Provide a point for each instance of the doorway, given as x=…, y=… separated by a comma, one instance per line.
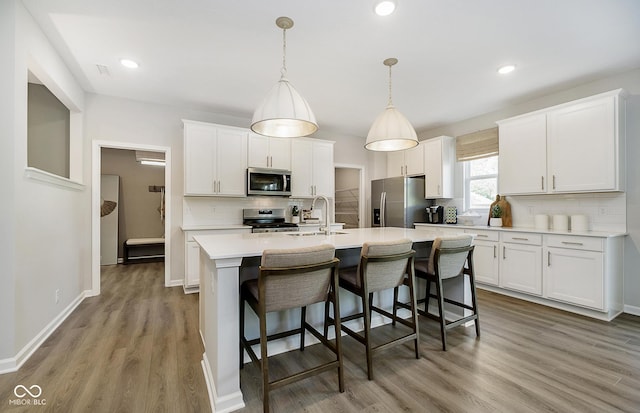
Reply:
x=349, y=197
x=96, y=172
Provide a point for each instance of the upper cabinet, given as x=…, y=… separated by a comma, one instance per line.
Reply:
x=406, y=163
x=574, y=147
x=267, y=152
x=312, y=170
x=522, y=162
x=215, y=159
x=439, y=161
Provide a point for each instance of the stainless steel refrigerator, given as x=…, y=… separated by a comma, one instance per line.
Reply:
x=398, y=202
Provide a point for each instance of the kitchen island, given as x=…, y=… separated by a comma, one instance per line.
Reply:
x=221, y=258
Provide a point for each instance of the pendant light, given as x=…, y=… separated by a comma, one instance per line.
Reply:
x=391, y=131
x=284, y=113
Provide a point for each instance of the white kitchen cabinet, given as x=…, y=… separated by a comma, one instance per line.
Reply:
x=409, y=162
x=192, y=255
x=215, y=159
x=312, y=169
x=583, y=146
x=522, y=161
x=574, y=147
x=521, y=262
x=268, y=152
x=439, y=161
x=574, y=270
x=486, y=260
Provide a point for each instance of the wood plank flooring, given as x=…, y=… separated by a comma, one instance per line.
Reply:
x=136, y=348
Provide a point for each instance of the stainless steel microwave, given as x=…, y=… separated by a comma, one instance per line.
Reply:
x=264, y=181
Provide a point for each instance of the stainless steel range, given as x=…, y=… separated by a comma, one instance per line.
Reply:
x=268, y=220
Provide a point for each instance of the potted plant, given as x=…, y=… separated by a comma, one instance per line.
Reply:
x=295, y=212
x=496, y=216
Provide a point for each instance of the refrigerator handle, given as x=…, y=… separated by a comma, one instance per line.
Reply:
x=383, y=202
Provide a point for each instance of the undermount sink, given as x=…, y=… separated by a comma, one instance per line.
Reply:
x=309, y=233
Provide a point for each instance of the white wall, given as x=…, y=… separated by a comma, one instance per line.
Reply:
x=7, y=168
x=39, y=214
x=630, y=81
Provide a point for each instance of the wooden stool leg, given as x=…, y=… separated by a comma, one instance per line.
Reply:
x=440, y=298
x=303, y=318
x=366, y=307
x=395, y=306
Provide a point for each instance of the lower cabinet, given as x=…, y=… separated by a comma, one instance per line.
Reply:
x=486, y=260
x=574, y=271
x=192, y=255
x=521, y=263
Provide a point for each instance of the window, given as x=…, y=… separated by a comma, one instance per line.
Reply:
x=480, y=182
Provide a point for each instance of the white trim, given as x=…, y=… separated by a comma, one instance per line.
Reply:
x=631, y=309
x=49, y=178
x=12, y=364
x=96, y=152
x=225, y=404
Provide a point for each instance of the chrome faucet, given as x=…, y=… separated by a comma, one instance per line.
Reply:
x=327, y=224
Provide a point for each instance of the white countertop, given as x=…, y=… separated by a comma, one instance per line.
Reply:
x=251, y=245
x=214, y=227
x=600, y=234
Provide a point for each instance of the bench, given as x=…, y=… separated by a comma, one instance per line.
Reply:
x=143, y=250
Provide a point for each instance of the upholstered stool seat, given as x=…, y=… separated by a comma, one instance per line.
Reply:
x=450, y=257
x=383, y=266
x=292, y=278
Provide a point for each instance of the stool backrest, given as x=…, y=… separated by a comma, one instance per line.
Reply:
x=291, y=278
x=452, y=253
x=384, y=264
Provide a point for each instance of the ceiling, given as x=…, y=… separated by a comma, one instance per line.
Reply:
x=224, y=56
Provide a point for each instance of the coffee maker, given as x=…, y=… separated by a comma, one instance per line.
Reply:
x=435, y=214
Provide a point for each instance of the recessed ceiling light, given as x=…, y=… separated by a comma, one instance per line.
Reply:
x=129, y=63
x=384, y=7
x=503, y=70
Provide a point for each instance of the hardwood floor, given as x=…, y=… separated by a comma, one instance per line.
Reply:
x=136, y=348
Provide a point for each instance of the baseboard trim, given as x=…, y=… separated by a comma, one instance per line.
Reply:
x=174, y=283
x=12, y=364
x=219, y=404
x=632, y=309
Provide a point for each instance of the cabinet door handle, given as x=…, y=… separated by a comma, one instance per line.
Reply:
x=504, y=252
x=548, y=258
x=481, y=235
x=494, y=251
x=542, y=182
x=572, y=243
x=520, y=239
x=554, y=182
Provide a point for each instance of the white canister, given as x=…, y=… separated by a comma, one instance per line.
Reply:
x=542, y=221
x=560, y=223
x=579, y=223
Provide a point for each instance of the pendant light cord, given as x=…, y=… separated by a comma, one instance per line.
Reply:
x=390, y=103
x=283, y=71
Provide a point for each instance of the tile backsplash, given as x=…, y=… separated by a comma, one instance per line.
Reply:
x=198, y=211
x=604, y=211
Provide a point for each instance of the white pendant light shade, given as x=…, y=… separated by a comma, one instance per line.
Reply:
x=391, y=131
x=284, y=113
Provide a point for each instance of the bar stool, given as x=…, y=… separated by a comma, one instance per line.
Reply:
x=383, y=266
x=292, y=278
x=450, y=257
